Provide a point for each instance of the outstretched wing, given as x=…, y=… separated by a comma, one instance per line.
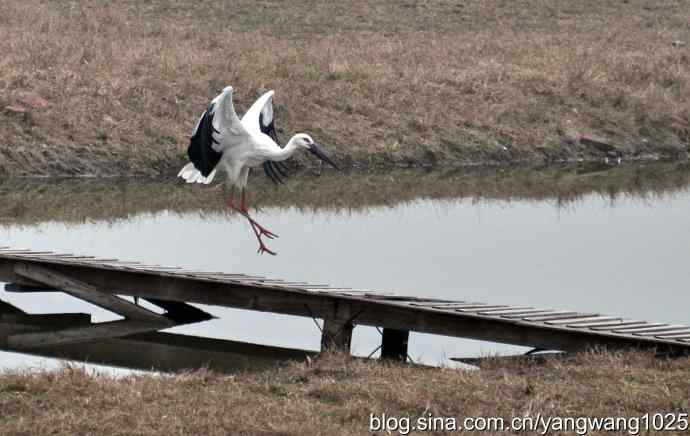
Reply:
x=204, y=148
x=259, y=118
x=217, y=130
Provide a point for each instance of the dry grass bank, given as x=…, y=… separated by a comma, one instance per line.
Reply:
x=377, y=81
x=335, y=395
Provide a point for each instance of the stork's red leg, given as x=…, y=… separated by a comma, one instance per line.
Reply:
x=262, y=230
x=231, y=199
x=258, y=229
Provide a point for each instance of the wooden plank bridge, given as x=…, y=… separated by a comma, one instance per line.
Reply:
x=135, y=340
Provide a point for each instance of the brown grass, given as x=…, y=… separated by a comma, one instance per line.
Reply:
x=377, y=81
x=28, y=201
x=334, y=395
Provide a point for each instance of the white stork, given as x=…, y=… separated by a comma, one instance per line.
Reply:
x=221, y=140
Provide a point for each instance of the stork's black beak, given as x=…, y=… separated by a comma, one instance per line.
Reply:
x=316, y=149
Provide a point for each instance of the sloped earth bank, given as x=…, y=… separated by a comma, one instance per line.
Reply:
x=380, y=83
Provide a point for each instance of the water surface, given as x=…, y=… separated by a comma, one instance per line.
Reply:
x=618, y=245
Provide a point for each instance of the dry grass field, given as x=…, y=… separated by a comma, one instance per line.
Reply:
x=383, y=81
x=335, y=395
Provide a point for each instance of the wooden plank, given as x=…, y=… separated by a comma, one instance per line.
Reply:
x=458, y=307
x=672, y=335
x=375, y=312
x=18, y=288
x=482, y=308
x=171, y=352
x=555, y=316
x=513, y=310
x=656, y=331
x=394, y=344
x=7, y=308
x=397, y=298
x=584, y=323
x=529, y=312
x=503, y=311
x=632, y=328
x=437, y=305
x=24, y=253
x=569, y=321
x=602, y=323
x=612, y=327
x=67, y=255
x=89, y=293
x=50, y=319
x=111, y=329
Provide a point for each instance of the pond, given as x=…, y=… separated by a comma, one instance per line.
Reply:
x=613, y=240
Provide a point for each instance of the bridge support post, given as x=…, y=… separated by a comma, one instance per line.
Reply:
x=336, y=335
x=394, y=344
x=337, y=330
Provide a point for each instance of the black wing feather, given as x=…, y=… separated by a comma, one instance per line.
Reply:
x=271, y=173
x=282, y=169
x=200, y=150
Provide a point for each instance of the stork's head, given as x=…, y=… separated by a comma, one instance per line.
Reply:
x=304, y=140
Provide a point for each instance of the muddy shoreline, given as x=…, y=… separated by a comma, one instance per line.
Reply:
x=161, y=162
x=79, y=199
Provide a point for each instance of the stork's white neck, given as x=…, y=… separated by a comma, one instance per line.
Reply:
x=287, y=151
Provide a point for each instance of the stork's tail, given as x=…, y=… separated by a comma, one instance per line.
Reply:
x=191, y=175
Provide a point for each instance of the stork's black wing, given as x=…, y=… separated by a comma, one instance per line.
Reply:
x=268, y=126
x=200, y=150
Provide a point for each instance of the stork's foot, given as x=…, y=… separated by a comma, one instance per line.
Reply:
x=263, y=231
x=263, y=249
x=259, y=230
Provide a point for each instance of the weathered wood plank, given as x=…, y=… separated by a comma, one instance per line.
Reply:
x=632, y=328
x=18, y=288
x=89, y=293
x=171, y=352
x=49, y=319
x=583, y=322
x=519, y=315
x=7, y=308
x=508, y=310
x=604, y=322
x=371, y=311
x=670, y=329
x=503, y=311
x=555, y=315
x=672, y=335
x=482, y=308
x=111, y=329
x=614, y=326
